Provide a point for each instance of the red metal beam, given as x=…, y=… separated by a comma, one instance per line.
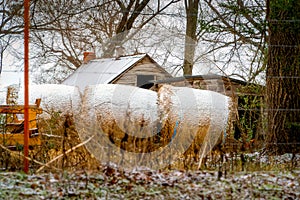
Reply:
x=26, y=84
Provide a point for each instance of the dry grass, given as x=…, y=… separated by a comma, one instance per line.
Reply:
x=60, y=145
x=63, y=150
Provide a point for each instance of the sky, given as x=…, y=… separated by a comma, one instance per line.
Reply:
x=12, y=68
x=11, y=77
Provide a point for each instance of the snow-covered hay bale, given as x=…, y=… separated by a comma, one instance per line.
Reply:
x=197, y=119
x=122, y=113
x=62, y=99
x=126, y=120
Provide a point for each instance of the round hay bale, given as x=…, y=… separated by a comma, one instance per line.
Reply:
x=197, y=117
x=62, y=99
x=123, y=113
x=134, y=125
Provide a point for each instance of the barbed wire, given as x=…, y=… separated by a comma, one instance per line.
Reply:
x=283, y=77
x=267, y=109
x=284, y=20
x=289, y=46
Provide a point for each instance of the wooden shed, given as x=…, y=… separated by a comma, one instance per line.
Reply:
x=213, y=82
x=136, y=70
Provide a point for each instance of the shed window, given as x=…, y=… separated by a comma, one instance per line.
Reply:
x=144, y=79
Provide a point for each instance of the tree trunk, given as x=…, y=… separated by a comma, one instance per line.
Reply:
x=283, y=76
x=191, y=7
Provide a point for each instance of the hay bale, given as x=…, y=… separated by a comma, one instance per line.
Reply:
x=163, y=124
x=197, y=118
x=123, y=113
x=62, y=99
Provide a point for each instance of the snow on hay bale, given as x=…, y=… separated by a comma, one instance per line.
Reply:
x=198, y=117
x=142, y=121
x=122, y=113
x=54, y=98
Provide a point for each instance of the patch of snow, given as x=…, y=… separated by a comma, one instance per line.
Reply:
x=134, y=110
x=54, y=98
x=280, y=159
x=196, y=107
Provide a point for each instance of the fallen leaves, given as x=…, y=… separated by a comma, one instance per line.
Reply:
x=141, y=183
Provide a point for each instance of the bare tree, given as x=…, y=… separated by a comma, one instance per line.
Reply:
x=228, y=36
x=10, y=14
x=97, y=26
x=237, y=30
x=11, y=25
x=59, y=37
x=62, y=30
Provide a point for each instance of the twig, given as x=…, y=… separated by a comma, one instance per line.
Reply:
x=20, y=154
x=68, y=151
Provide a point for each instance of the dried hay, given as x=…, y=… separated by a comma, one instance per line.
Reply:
x=180, y=120
x=61, y=146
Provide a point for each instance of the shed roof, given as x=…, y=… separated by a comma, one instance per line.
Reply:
x=101, y=71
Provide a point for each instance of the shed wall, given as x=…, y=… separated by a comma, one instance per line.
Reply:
x=143, y=67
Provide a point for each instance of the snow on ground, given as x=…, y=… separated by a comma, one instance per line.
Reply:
x=109, y=182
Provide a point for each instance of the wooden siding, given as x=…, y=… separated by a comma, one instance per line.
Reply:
x=221, y=85
x=144, y=67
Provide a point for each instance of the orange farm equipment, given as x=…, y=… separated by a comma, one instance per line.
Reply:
x=12, y=124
